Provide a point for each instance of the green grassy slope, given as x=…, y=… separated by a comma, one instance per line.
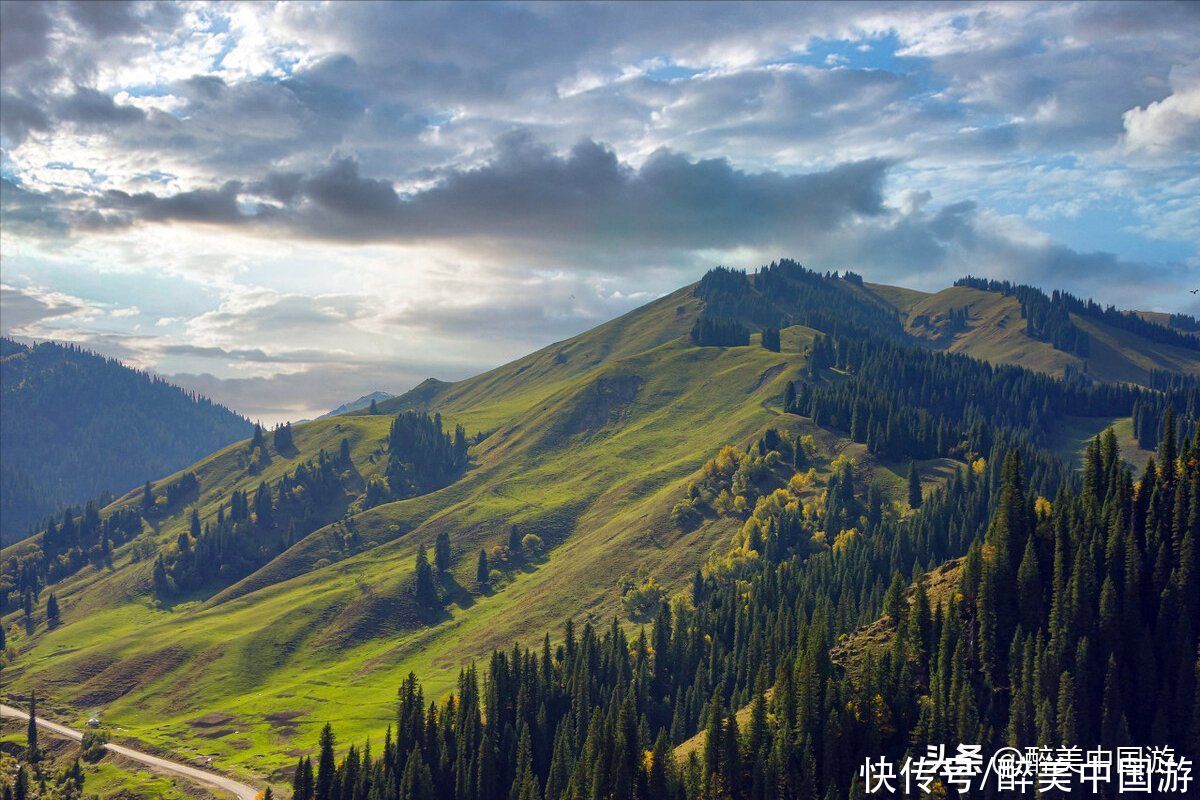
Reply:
x=995, y=332
x=591, y=444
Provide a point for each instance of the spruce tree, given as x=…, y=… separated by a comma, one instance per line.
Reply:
x=1029, y=588
x=914, y=486
x=426, y=587
x=326, y=767
x=52, y=614
x=441, y=552
x=33, y=753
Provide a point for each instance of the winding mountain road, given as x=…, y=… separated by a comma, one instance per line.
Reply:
x=239, y=790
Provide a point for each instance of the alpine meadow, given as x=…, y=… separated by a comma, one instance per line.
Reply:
x=864, y=460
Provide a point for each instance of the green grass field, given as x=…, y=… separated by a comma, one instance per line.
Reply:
x=327, y=633
x=110, y=778
x=589, y=444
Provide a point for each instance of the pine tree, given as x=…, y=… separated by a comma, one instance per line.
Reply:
x=426, y=587
x=257, y=441
x=326, y=767
x=770, y=339
x=52, y=616
x=441, y=552
x=1029, y=588
x=799, y=456
x=302, y=789
x=914, y=486
x=514, y=542
x=33, y=753
x=714, y=738
x=1167, y=448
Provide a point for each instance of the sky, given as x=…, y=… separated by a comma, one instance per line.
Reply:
x=288, y=205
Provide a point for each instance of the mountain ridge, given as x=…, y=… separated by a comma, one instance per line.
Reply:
x=75, y=424
x=589, y=444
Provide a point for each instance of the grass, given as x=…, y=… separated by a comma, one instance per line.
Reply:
x=995, y=332
x=589, y=444
x=327, y=633
x=112, y=777
x=1070, y=439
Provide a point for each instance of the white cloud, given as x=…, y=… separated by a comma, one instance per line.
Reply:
x=1171, y=125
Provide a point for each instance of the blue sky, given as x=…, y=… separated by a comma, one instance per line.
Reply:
x=289, y=205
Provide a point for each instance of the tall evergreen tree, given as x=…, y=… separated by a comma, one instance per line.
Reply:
x=323, y=788
x=914, y=486
x=426, y=586
x=482, y=571
x=441, y=552
x=33, y=753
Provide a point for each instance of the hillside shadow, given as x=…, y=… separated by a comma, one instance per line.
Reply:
x=455, y=592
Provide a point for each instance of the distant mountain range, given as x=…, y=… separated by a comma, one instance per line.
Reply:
x=359, y=404
x=75, y=426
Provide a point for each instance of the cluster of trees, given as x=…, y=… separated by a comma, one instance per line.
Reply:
x=1184, y=322
x=250, y=530
x=422, y=456
x=1047, y=319
x=719, y=332
x=955, y=321
x=35, y=776
x=1180, y=394
x=281, y=437
x=903, y=400
x=70, y=542
x=784, y=293
x=76, y=425
x=1097, y=646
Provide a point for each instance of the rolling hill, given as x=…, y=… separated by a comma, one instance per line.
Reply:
x=75, y=425
x=994, y=330
x=589, y=444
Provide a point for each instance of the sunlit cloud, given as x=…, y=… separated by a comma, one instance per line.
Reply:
x=283, y=204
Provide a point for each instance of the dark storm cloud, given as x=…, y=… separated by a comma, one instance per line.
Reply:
x=528, y=193
x=19, y=116
x=32, y=212
x=104, y=19
x=24, y=27
x=90, y=107
x=214, y=206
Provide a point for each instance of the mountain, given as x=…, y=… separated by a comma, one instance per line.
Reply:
x=827, y=443
x=991, y=325
x=75, y=425
x=359, y=404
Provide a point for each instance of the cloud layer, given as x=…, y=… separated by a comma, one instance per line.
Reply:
x=270, y=200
